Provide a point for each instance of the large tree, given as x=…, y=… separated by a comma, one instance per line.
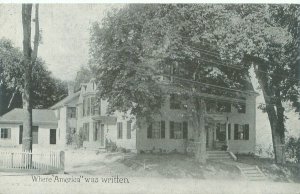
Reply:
x=267, y=37
x=29, y=59
x=135, y=45
x=132, y=44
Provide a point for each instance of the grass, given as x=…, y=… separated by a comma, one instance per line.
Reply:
x=280, y=173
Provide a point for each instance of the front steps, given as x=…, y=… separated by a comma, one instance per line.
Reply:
x=252, y=173
x=218, y=155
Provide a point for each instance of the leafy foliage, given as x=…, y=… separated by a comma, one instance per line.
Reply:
x=293, y=149
x=134, y=45
x=46, y=89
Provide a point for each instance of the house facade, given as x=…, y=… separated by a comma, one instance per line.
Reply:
x=229, y=126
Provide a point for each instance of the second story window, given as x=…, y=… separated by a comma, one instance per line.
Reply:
x=241, y=108
x=71, y=112
x=223, y=107
x=95, y=106
x=175, y=102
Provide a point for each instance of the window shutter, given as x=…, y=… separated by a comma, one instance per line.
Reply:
x=163, y=129
x=171, y=130
x=247, y=132
x=185, y=130
x=236, y=130
x=21, y=134
x=128, y=129
x=95, y=131
x=8, y=133
x=229, y=131
x=149, y=131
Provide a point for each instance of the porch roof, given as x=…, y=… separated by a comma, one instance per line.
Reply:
x=105, y=119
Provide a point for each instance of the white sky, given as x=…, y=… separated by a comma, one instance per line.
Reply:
x=65, y=33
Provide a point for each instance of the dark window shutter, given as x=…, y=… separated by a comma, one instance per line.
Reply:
x=21, y=134
x=185, y=130
x=171, y=130
x=9, y=133
x=149, y=131
x=247, y=132
x=163, y=129
x=236, y=130
x=229, y=131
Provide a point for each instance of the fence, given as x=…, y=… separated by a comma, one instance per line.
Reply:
x=36, y=161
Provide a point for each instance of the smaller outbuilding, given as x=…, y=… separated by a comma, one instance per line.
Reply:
x=44, y=130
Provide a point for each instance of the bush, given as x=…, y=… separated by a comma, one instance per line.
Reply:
x=293, y=149
x=111, y=146
x=79, y=138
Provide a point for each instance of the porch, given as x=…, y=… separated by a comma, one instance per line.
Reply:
x=97, y=132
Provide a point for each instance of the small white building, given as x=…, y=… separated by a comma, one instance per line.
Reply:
x=44, y=131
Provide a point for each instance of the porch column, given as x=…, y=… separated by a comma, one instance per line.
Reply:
x=226, y=134
x=227, y=143
x=215, y=134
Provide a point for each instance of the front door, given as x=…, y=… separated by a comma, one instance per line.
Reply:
x=99, y=133
x=220, y=140
x=209, y=136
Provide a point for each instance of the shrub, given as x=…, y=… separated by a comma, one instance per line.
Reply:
x=79, y=138
x=293, y=149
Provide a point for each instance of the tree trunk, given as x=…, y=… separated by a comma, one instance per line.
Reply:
x=26, y=96
x=200, y=129
x=276, y=116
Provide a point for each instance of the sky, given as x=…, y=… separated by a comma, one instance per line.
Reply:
x=64, y=30
x=65, y=38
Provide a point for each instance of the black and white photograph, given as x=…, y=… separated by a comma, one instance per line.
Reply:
x=149, y=97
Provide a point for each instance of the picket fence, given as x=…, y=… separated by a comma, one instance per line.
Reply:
x=53, y=160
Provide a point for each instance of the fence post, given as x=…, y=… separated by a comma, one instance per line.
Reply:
x=62, y=161
x=12, y=160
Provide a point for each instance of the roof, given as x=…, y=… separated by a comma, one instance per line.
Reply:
x=66, y=100
x=17, y=115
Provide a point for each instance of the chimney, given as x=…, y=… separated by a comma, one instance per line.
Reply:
x=70, y=88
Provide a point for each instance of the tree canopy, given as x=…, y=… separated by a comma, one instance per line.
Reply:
x=133, y=45
x=47, y=90
x=204, y=43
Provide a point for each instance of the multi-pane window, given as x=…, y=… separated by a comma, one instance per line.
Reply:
x=5, y=133
x=119, y=130
x=71, y=112
x=223, y=107
x=95, y=106
x=241, y=132
x=35, y=134
x=129, y=129
x=156, y=130
x=178, y=130
x=175, y=102
x=241, y=107
x=210, y=106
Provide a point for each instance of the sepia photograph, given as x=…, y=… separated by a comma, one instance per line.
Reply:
x=99, y=97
